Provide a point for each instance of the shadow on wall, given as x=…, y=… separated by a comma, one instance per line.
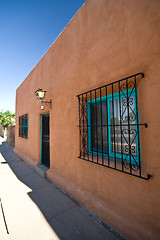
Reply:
x=63, y=214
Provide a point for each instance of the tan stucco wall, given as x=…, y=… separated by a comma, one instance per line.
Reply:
x=105, y=41
x=11, y=135
x=1, y=131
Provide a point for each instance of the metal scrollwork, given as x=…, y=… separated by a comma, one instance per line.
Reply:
x=130, y=149
x=128, y=103
x=128, y=111
x=83, y=129
x=127, y=86
x=83, y=111
x=83, y=141
x=134, y=166
x=131, y=132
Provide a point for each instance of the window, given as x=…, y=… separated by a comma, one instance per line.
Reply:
x=23, y=126
x=109, y=126
x=113, y=144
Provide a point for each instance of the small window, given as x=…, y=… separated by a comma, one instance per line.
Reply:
x=23, y=126
x=109, y=126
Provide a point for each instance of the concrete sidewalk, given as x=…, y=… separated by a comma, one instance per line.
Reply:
x=32, y=208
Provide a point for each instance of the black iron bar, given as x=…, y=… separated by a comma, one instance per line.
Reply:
x=131, y=174
x=91, y=124
x=138, y=136
x=120, y=124
x=87, y=131
x=114, y=143
x=129, y=144
x=80, y=133
x=96, y=124
x=101, y=123
x=115, y=82
x=83, y=137
x=107, y=125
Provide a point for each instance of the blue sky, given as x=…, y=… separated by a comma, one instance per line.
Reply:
x=27, y=29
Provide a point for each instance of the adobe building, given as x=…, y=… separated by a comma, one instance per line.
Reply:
x=97, y=129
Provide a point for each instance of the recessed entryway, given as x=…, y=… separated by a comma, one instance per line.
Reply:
x=45, y=140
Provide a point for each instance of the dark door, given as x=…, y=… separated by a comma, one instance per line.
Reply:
x=45, y=157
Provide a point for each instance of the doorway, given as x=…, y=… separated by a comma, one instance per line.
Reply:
x=45, y=140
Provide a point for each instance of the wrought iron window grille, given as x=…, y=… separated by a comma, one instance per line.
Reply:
x=23, y=126
x=109, y=128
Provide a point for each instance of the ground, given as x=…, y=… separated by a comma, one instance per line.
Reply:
x=32, y=208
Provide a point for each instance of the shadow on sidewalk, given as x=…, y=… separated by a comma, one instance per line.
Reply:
x=68, y=220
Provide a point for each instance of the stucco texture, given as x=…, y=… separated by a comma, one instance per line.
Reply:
x=105, y=41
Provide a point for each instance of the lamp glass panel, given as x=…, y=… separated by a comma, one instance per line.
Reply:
x=41, y=94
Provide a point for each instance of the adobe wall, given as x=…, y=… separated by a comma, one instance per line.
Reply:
x=105, y=41
x=1, y=131
x=11, y=135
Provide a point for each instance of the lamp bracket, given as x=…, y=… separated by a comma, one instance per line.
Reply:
x=47, y=103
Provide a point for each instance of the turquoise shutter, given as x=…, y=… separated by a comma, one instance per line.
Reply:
x=24, y=126
x=27, y=126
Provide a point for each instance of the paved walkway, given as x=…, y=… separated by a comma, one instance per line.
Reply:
x=32, y=208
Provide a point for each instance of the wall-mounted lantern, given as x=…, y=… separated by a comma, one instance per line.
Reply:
x=40, y=94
